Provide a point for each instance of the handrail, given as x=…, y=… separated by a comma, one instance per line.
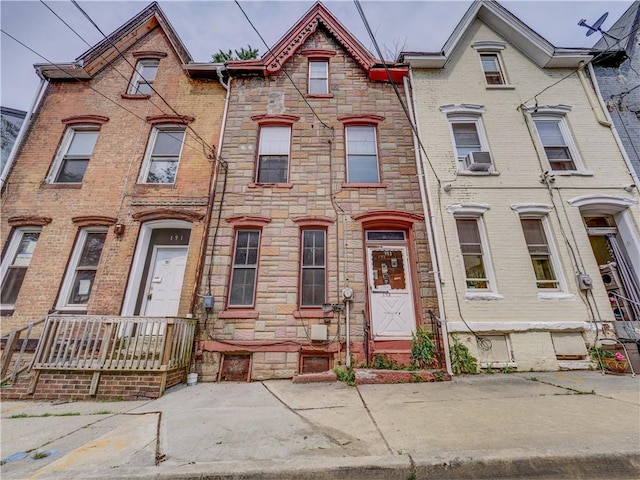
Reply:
x=624, y=298
x=12, y=340
x=113, y=343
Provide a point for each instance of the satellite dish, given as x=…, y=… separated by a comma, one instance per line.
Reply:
x=596, y=26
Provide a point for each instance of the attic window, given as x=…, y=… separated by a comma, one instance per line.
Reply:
x=491, y=62
x=318, y=71
x=143, y=77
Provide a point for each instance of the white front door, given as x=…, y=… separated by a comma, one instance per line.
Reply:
x=391, y=299
x=164, y=282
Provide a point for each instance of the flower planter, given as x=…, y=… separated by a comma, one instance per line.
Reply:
x=615, y=365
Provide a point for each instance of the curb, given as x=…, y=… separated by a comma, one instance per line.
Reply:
x=621, y=465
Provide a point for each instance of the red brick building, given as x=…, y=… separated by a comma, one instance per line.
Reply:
x=106, y=208
x=322, y=245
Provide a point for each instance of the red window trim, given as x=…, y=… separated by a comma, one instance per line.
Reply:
x=167, y=214
x=318, y=54
x=366, y=119
x=308, y=223
x=267, y=120
x=93, y=220
x=160, y=119
x=85, y=120
x=248, y=221
x=133, y=96
x=28, y=221
x=387, y=219
x=149, y=54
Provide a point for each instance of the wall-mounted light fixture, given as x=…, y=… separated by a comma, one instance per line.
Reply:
x=118, y=229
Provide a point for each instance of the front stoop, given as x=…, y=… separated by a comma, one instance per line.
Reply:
x=314, y=377
x=372, y=376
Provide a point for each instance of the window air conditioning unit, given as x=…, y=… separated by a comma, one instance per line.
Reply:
x=478, y=161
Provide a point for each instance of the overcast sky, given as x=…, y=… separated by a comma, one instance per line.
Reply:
x=207, y=26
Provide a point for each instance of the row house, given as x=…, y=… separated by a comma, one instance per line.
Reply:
x=321, y=255
x=535, y=217
x=105, y=212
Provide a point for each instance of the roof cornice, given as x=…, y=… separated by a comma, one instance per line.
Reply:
x=514, y=30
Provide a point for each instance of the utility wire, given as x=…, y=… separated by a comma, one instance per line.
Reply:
x=395, y=87
x=212, y=153
x=283, y=70
x=115, y=69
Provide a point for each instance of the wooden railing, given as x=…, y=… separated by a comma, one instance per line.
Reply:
x=105, y=343
x=13, y=365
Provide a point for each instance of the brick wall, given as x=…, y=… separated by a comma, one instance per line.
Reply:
x=109, y=187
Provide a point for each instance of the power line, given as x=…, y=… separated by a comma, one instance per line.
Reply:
x=395, y=88
x=283, y=70
x=212, y=152
x=85, y=83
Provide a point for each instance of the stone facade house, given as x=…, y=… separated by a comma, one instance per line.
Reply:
x=321, y=254
x=535, y=222
x=106, y=208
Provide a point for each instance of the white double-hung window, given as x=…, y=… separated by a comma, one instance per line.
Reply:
x=15, y=263
x=273, y=154
x=362, y=154
x=556, y=139
x=469, y=139
x=163, y=155
x=73, y=155
x=143, y=77
x=83, y=266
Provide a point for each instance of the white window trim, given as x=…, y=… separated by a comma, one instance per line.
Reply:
x=139, y=258
x=302, y=266
x=67, y=283
x=326, y=63
x=146, y=163
x=557, y=113
x=468, y=113
x=62, y=151
x=10, y=253
x=495, y=48
x=540, y=212
x=137, y=78
x=233, y=267
x=476, y=212
x=346, y=148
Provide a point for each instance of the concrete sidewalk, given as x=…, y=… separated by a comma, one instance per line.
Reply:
x=537, y=425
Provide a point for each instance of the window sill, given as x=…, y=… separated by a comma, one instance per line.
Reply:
x=555, y=296
x=501, y=87
x=131, y=96
x=363, y=185
x=239, y=313
x=274, y=185
x=54, y=186
x=161, y=185
x=6, y=311
x=483, y=296
x=568, y=173
x=319, y=95
x=469, y=173
x=71, y=311
x=312, y=313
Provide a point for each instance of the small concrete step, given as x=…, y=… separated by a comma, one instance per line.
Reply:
x=314, y=377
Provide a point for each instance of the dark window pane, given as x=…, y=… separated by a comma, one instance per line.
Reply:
x=313, y=287
x=273, y=169
x=242, y=286
x=468, y=231
x=11, y=285
x=92, y=250
x=72, y=171
x=391, y=236
x=82, y=284
x=466, y=135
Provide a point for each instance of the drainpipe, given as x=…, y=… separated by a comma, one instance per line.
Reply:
x=588, y=90
x=35, y=103
x=348, y=332
x=212, y=192
x=427, y=201
x=612, y=126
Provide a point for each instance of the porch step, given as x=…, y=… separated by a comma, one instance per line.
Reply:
x=372, y=376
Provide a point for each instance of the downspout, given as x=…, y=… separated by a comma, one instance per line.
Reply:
x=212, y=192
x=612, y=126
x=427, y=201
x=35, y=103
x=588, y=90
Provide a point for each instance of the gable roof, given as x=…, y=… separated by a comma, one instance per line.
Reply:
x=514, y=30
x=625, y=29
x=273, y=61
x=104, y=52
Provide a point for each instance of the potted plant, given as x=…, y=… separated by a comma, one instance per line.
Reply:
x=617, y=363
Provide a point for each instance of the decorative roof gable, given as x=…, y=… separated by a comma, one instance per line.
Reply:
x=293, y=40
x=106, y=51
x=514, y=30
